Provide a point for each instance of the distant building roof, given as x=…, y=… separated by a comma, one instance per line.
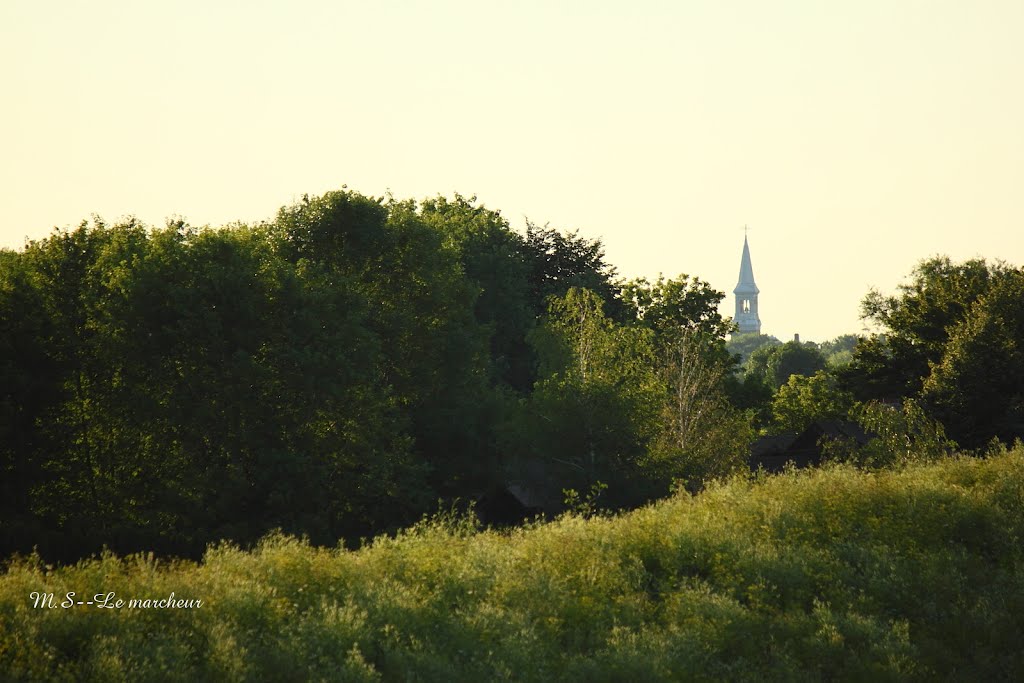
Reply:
x=803, y=449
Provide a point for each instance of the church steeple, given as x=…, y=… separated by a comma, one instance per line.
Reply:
x=746, y=295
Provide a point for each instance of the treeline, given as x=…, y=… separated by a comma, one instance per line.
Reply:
x=945, y=372
x=335, y=372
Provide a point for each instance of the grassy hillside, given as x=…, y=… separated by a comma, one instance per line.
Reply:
x=818, y=575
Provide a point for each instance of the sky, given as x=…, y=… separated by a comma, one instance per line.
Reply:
x=854, y=139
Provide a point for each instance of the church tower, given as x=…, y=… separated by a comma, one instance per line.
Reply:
x=746, y=296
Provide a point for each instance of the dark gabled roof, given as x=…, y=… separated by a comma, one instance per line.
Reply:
x=772, y=445
x=833, y=429
x=803, y=449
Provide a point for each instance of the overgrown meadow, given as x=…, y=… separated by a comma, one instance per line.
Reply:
x=838, y=573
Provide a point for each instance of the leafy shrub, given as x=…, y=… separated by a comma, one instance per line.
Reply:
x=900, y=436
x=837, y=573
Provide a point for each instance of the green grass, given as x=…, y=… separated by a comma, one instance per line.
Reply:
x=830, y=574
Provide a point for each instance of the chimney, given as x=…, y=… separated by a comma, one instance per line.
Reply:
x=796, y=337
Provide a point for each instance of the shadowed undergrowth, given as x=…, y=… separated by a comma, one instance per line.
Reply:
x=816, y=575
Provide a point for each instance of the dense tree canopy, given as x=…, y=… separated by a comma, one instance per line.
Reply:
x=593, y=411
x=916, y=323
x=838, y=352
x=775, y=364
x=745, y=343
x=977, y=388
x=336, y=371
x=952, y=338
x=803, y=400
x=331, y=372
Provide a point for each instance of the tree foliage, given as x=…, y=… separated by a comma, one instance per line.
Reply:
x=331, y=372
x=702, y=436
x=899, y=436
x=559, y=261
x=838, y=352
x=977, y=387
x=774, y=365
x=632, y=406
x=744, y=344
x=335, y=371
x=592, y=413
x=670, y=306
x=916, y=324
x=804, y=400
x=198, y=385
x=951, y=341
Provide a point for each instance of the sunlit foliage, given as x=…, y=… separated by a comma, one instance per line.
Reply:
x=837, y=574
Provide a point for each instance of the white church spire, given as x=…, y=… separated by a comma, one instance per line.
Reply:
x=746, y=294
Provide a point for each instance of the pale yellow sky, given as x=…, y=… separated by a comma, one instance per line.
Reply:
x=854, y=138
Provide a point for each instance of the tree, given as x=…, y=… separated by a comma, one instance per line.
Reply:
x=751, y=394
x=420, y=308
x=916, y=324
x=194, y=386
x=774, y=365
x=804, y=400
x=669, y=306
x=794, y=358
x=744, y=344
x=977, y=389
x=949, y=340
x=559, y=261
x=592, y=413
x=515, y=276
x=838, y=352
x=30, y=386
x=495, y=260
x=701, y=436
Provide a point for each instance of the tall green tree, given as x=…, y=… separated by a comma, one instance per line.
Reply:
x=31, y=386
x=558, y=261
x=977, y=388
x=669, y=306
x=701, y=434
x=420, y=308
x=949, y=339
x=915, y=323
x=191, y=386
x=594, y=410
x=495, y=260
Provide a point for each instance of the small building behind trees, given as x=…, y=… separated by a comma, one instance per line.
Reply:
x=805, y=448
